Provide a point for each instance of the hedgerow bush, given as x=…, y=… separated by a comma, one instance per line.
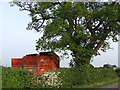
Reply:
x=51, y=79
x=67, y=77
x=0, y=77
x=14, y=78
x=118, y=71
x=83, y=76
x=73, y=76
x=101, y=75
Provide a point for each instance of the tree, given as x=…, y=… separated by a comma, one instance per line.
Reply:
x=107, y=66
x=91, y=66
x=110, y=66
x=114, y=66
x=81, y=27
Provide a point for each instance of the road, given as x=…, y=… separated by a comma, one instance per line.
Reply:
x=115, y=86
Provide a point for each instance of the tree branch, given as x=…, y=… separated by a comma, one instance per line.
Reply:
x=97, y=26
x=89, y=27
x=102, y=40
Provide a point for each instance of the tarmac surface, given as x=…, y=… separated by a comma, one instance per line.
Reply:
x=115, y=86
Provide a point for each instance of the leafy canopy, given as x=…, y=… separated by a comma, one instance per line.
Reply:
x=81, y=27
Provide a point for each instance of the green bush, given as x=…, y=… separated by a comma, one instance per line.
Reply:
x=74, y=76
x=101, y=75
x=83, y=76
x=71, y=77
x=13, y=78
x=118, y=71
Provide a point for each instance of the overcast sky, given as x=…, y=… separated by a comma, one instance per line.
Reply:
x=16, y=41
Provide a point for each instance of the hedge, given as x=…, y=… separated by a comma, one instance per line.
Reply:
x=75, y=76
x=118, y=71
x=13, y=78
x=70, y=77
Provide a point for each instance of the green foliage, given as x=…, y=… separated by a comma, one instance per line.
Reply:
x=118, y=71
x=91, y=66
x=101, y=75
x=70, y=77
x=84, y=26
x=114, y=66
x=0, y=76
x=14, y=78
x=107, y=66
x=80, y=76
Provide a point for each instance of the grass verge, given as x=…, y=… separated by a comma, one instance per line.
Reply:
x=98, y=85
